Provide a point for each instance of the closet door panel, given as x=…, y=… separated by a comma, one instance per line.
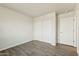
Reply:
x=46, y=29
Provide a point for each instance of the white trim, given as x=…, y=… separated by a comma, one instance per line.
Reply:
x=7, y=47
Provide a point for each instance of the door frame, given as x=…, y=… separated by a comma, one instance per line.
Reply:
x=58, y=27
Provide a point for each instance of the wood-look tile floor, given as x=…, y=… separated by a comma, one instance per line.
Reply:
x=38, y=48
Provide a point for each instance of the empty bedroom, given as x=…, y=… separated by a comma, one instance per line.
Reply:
x=39, y=29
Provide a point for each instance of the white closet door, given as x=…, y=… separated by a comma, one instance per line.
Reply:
x=46, y=30
x=66, y=31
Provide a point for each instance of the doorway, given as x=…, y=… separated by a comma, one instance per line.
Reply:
x=67, y=31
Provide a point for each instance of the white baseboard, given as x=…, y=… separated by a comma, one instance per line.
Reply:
x=14, y=45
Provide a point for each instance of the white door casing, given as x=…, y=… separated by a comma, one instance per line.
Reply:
x=67, y=31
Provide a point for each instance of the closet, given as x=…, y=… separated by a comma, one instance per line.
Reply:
x=45, y=28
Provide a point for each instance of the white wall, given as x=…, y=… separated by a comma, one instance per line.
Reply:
x=14, y=28
x=77, y=18
x=45, y=28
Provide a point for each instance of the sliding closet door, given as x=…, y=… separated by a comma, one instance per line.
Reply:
x=42, y=29
x=67, y=31
x=46, y=29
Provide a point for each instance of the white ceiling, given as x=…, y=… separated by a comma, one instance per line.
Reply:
x=37, y=9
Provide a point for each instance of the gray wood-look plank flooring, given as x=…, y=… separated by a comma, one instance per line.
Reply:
x=38, y=48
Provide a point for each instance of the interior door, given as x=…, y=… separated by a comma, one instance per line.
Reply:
x=67, y=31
